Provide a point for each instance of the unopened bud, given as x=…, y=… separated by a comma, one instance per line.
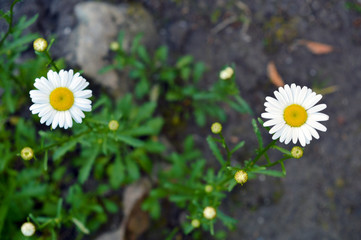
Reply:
x=196, y=223
x=216, y=128
x=28, y=229
x=241, y=177
x=209, y=213
x=40, y=45
x=27, y=153
x=226, y=73
x=113, y=125
x=114, y=46
x=297, y=152
x=208, y=188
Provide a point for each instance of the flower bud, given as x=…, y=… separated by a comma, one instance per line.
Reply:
x=209, y=213
x=28, y=229
x=216, y=128
x=114, y=46
x=40, y=45
x=196, y=223
x=297, y=152
x=113, y=125
x=208, y=188
x=27, y=153
x=241, y=177
x=226, y=73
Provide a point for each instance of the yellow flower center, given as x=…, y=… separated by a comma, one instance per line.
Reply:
x=61, y=99
x=295, y=115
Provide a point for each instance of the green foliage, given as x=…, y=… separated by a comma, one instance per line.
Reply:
x=73, y=181
x=180, y=83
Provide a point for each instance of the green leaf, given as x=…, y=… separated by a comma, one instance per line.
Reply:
x=62, y=150
x=199, y=69
x=258, y=133
x=117, y=173
x=273, y=173
x=88, y=165
x=161, y=54
x=238, y=146
x=184, y=61
x=46, y=160
x=142, y=88
x=282, y=150
x=240, y=105
x=200, y=117
x=129, y=140
x=132, y=168
x=80, y=225
x=110, y=206
x=215, y=150
x=185, y=73
x=143, y=54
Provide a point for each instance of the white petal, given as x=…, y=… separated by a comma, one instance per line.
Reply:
x=37, y=107
x=276, y=127
x=316, y=108
x=301, y=97
x=294, y=135
x=316, y=125
x=46, y=116
x=274, y=102
x=313, y=132
x=83, y=94
x=289, y=93
x=76, y=114
x=55, y=120
x=43, y=87
x=318, y=117
x=278, y=133
x=301, y=137
x=289, y=135
x=83, y=84
x=284, y=134
x=311, y=101
x=68, y=119
x=51, y=118
x=284, y=94
x=270, y=115
x=280, y=98
x=272, y=122
x=61, y=119
x=306, y=132
x=45, y=110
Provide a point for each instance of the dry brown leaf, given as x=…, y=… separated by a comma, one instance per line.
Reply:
x=316, y=47
x=273, y=75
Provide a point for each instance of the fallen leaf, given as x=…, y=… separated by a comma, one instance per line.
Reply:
x=316, y=47
x=273, y=75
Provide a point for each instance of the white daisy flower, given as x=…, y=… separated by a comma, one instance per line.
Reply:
x=60, y=98
x=294, y=115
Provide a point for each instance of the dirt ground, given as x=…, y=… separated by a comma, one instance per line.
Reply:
x=320, y=198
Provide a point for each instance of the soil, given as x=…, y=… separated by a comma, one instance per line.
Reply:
x=320, y=196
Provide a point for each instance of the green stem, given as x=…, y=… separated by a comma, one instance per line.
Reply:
x=277, y=162
x=51, y=60
x=229, y=154
x=10, y=24
x=259, y=155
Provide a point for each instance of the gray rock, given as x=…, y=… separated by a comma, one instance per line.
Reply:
x=98, y=25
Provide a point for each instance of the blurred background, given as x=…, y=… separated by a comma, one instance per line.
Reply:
x=313, y=43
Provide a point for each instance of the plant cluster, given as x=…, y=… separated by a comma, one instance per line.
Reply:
x=57, y=179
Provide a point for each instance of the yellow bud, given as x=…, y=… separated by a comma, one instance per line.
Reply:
x=40, y=45
x=208, y=188
x=113, y=125
x=226, y=73
x=241, y=177
x=28, y=229
x=209, y=213
x=216, y=128
x=297, y=152
x=27, y=153
x=114, y=46
x=196, y=223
